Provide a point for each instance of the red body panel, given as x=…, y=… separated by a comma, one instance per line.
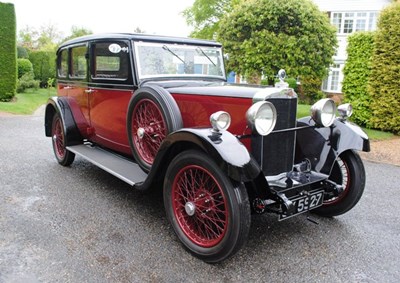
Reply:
x=196, y=111
x=108, y=108
x=101, y=114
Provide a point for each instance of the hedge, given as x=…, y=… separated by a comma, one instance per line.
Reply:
x=24, y=66
x=44, y=65
x=384, y=84
x=357, y=72
x=8, y=52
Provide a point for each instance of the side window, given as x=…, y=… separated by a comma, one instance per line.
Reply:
x=79, y=66
x=110, y=61
x=63, y=64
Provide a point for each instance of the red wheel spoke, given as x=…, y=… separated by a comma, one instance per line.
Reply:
x=148, y=117
x=207, y=223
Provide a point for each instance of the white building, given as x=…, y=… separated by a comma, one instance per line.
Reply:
x=348, y=16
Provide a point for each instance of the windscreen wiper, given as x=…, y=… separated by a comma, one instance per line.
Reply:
x=165, y=47
x=199, y=50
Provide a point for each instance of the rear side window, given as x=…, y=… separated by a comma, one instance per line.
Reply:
x=63, y=64
x=110, y=61
x=79, y=65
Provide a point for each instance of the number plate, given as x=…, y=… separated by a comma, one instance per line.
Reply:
x=305, y=203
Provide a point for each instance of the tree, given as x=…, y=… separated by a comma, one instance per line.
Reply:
x=384, y=83
x=263, y=36
x=205, y=15
x=46, y=38
x=357, y=72
x=8, y=52
x=77, y=32
x=139, y=30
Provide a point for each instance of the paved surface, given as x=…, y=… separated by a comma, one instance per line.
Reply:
x=80, y=224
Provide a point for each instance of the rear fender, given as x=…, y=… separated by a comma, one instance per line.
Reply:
x=323, y=145
x=60, y=105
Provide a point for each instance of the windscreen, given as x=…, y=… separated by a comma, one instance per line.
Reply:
x=175, y=60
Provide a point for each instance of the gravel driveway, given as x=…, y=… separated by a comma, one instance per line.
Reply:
x=80, y=224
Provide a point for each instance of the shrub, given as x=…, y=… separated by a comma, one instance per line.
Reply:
x=44, y=65
x=24, y=66
x=27, y=81
x=291, y=81
x=310, y=90
x=8, y=52
x=357, y=72
x=384, y=83
x=22, y=52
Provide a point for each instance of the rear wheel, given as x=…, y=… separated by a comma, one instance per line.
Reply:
x=209, y=213
x=349, y=172
x=63, y=156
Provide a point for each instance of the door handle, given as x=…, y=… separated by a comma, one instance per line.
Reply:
x=67, y=87
x=89, y=90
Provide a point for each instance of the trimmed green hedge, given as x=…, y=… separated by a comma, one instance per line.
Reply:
x=357, y=72
x=8, y=52
x=24, y=66
x=384, y=84
x=44, y=65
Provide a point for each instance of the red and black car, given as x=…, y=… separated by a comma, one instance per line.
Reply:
x=157, y=112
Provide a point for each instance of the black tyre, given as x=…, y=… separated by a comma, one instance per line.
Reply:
x=152, y=115
x=348, y=171
x=63, y=156
x=209, y=213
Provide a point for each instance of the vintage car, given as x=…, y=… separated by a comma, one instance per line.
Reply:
x=158, y=113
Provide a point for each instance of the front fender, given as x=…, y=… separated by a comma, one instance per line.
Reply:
x=323, y=145
x=224, y=148
x=60, y=105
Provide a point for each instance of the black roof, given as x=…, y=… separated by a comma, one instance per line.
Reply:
x=141, y=37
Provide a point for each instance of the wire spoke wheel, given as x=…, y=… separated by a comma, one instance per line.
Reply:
x=148, y=129
x=58, y=138
x=349, y=172
x=152, y=115
x=341, y=175
x=209, y=212
x=200, y=206
x=63, y=156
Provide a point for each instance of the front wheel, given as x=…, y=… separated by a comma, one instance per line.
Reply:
x=349, y=172
x=63, y=156
x=209, y=213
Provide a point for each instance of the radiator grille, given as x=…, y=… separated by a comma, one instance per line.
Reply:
x=275, y=152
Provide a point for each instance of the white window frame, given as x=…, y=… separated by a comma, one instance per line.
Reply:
x=348, y=22
x=333, y=83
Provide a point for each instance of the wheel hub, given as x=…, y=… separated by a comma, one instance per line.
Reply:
x=190, y=208
x=140, y=133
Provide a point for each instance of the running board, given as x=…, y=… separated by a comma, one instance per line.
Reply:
x=120, y=167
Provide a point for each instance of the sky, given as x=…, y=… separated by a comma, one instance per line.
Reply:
x=161, y=17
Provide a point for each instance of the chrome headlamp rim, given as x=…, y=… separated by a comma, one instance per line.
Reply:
x=261, y=117
x=323, y=112
x=220, y=121
x=345, y=110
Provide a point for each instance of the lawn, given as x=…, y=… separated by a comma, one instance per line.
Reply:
x=27, y=102
x=304, y=110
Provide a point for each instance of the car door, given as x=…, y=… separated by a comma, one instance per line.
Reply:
x=74, y=84
x=110, y=89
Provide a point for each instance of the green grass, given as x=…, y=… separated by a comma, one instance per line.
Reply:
x=378, y=135
x=26, y=103
x=304, y=110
